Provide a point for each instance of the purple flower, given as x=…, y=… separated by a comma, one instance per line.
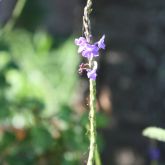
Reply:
x=91, y=74
x=80, y=41
x=154, y=153
x=100, y=43
x=90, y=51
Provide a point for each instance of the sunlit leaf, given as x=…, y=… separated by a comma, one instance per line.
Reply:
x=155, y=133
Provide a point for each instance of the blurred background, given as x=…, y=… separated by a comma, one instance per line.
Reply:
x=44, y=102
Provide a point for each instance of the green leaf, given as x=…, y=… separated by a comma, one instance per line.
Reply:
x=154, y=133
x=41, y=139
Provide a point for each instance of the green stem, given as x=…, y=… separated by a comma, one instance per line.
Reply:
x=92, y=119
x=16, y=13
x=93, y=152
x=97, y=157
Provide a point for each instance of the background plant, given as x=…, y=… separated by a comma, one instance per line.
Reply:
x=37, y=123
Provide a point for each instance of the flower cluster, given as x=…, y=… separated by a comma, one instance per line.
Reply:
x=89, y=51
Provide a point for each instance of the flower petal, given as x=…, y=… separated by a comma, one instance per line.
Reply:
x=90, y=51
x=100, y=43
x=91, y=74
x=80, y=41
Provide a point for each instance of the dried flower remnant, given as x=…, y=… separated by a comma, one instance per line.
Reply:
x=83, y=67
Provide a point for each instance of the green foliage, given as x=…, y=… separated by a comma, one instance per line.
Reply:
x=37, y=83
x=155, y=133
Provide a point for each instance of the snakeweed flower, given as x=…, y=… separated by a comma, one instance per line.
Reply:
x=89, y=51
x=81, y=42
x=91, y=74
x=100, y=43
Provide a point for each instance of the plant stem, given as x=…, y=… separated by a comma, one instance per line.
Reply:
x=97, y=157
x=93, y=152
x=16, y=13
x=92, y=120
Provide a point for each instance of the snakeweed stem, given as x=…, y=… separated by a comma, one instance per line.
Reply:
x=93, y=152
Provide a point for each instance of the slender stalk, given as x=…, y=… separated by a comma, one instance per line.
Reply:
x=16, y=13
x=93, y=152
x=97, y=157
x=92, y=120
